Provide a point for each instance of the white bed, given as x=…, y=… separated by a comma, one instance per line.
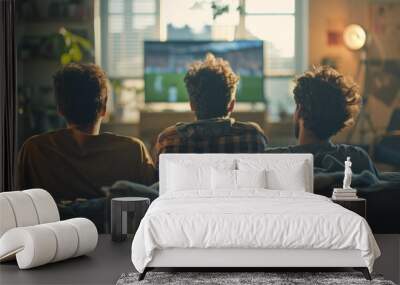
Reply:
x=197, y=222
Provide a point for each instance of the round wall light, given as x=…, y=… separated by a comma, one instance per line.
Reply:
x=354, y=37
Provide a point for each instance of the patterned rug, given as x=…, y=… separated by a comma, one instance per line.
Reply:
x=243, y=278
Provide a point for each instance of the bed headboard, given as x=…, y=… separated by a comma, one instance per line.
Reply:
x=212, y=159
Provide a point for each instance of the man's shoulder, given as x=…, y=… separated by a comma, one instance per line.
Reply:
x=279, y=150
x=343, y=149
x=359, y=157
x=171, y=131
x=352, y=150
x=41, y=139
x=174, y=131
x=54, y=136
x=123, y=140
x=247, y=126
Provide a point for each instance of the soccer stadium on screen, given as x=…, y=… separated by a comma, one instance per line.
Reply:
x=167, y=62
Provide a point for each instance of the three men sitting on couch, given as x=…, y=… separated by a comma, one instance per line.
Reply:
x=77, y=161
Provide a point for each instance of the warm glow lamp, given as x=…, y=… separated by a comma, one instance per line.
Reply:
x=354, y=37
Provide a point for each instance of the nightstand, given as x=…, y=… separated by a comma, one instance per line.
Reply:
x=126, y=214
x=357, y=205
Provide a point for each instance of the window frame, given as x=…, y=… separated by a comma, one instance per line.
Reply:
x=103, y=31
x=301, y=36
x=301, y=15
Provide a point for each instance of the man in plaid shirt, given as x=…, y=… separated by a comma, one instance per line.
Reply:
x=211, y=85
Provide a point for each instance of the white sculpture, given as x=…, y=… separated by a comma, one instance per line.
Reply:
x=347, y=174
x=31, y=231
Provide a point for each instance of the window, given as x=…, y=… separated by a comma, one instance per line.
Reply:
x=193, y=20
x=282, y=25
x=274, y=23
x=125, y=25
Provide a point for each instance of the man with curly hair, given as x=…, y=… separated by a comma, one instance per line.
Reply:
x=211, y=85
x=326, y=103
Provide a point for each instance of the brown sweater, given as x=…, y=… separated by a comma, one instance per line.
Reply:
x=56, y=162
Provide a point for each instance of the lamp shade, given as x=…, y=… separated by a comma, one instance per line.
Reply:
x=354, y=37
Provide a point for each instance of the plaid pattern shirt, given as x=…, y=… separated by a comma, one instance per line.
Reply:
x=219, y=135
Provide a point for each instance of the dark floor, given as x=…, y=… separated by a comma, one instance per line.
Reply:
x=103, y=266
x=110, y=259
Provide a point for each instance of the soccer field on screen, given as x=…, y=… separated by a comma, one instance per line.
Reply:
x=170, y=87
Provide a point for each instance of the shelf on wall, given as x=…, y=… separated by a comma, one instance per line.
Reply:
x=54, y=20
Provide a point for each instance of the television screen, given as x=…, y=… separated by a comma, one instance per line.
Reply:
x=166, y=64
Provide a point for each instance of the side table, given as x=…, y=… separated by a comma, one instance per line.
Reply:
x=126, y=214
x=357, y=205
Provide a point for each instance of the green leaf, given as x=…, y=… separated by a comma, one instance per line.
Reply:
x=65, y=58
x=75, y=53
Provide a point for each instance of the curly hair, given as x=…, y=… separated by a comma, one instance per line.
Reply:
x=328, y=101
x=81, y=92
x=211, y=85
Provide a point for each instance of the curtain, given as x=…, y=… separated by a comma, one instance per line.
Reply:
x=8, y=99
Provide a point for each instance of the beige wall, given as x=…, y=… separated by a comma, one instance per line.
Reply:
x=335, y=15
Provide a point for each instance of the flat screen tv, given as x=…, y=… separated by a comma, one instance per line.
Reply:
x=166, y=64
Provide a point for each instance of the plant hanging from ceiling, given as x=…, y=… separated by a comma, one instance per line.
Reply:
x=219, y=8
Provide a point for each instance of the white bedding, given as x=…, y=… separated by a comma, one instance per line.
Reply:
x=250, y=218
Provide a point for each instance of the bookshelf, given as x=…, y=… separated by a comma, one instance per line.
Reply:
x=40, y=46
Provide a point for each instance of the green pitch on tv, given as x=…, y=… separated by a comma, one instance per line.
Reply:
x=166, y=64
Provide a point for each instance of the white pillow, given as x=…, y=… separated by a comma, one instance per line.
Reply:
x=236, y=179
x=193, y=175
x=293, y=180
x=281, y=174
x=251, y=178
x=223, y=179
x=183, y=177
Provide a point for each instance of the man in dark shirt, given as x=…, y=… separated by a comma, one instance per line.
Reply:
x=75, y=162
x=211, y=85
x=326, y=102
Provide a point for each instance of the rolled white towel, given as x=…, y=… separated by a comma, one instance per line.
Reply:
x=40, y=244
x=23, y=208
x=87, y=235
x=26, y=208
x=32, y=246
x=66, y=238
x=45, y=205
x=7, y=218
